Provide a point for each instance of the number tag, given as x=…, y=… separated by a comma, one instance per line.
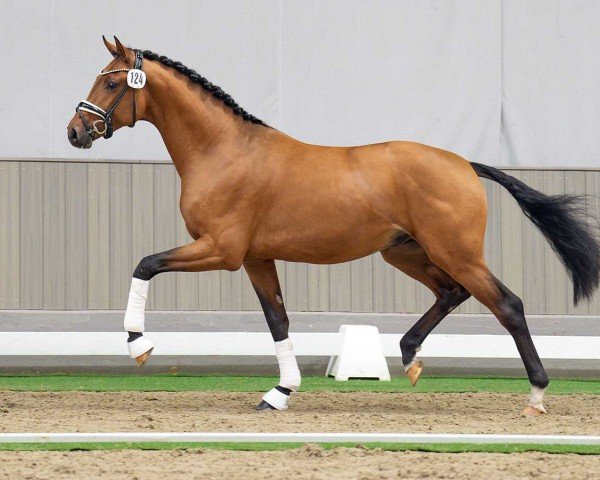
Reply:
x=136, y=78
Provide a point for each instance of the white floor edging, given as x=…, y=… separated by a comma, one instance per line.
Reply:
x=305, y=344
x=297, y=438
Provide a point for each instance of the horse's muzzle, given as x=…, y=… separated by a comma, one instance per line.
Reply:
x=78, y=137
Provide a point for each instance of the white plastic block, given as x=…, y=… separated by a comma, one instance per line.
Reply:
x=360, y=355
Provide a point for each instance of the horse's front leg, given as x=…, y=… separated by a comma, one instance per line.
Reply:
x=263, y=276
x=201, y=255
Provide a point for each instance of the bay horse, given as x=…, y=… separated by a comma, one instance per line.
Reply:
x=251, y=195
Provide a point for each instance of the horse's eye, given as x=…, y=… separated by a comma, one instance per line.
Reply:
x=112, y=85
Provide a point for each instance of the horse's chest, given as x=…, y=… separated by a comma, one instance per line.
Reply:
x=208, y=212
x=196, y=213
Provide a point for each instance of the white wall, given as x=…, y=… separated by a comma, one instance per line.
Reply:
x=508, y=82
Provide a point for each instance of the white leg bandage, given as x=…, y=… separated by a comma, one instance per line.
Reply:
x=537, y=397
x=276, y=399
x=139, y=346
x=289, y=374
x=136, y=305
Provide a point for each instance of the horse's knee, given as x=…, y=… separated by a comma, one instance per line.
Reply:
x=149, y=266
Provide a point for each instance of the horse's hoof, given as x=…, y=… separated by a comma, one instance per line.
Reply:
x=143, y=358
x=140, y=349
x=265, y=406
x=414, y=372
x=531, y=411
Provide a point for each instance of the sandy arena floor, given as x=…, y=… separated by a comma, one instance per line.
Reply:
x=308, y=412
x=309, y=462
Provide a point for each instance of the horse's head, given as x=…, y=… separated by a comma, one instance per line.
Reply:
x=112, y=101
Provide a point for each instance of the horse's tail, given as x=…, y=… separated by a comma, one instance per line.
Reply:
x=564, y=222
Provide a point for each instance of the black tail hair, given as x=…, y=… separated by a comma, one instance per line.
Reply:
x=564, y=222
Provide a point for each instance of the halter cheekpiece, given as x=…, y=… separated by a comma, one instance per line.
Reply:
x=106, y=116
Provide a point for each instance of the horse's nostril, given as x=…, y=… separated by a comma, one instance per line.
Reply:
x=73, y=134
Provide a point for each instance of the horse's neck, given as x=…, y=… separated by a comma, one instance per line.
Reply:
x=195, y=127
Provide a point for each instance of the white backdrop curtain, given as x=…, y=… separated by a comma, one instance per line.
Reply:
x=504, y=82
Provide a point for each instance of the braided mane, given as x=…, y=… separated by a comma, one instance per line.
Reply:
x=195, y=77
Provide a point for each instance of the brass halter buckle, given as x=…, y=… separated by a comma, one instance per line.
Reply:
x=97, y=130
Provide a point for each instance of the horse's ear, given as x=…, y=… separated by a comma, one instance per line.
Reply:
x=110, y=47
x=121, y=50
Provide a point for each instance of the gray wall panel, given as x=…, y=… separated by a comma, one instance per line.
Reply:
x=10, y=239
x=534, y=269
x=142, y=219
x=362, y=284
x=340, y=287
x=318, y=288
x=165, y=232
x=53, y=236
x=383, y=286
x=98, y=233
x=32, y=234
x=73, y=233
x=405, y=298
x=76, y=239
x=121, y=245
x=511, y=221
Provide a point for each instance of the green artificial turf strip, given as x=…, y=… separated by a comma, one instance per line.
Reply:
x=257, y=446
x=179, y=383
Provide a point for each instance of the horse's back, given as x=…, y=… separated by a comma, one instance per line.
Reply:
x=424, y=181
x=332, y=204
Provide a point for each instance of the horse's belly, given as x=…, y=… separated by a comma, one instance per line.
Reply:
x=334, y=244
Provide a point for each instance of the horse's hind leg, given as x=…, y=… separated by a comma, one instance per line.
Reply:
x=451, y=229
x=263, y=276
x=471, y=271
x=411, y=259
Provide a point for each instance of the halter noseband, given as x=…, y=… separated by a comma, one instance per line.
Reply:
x=106, y=116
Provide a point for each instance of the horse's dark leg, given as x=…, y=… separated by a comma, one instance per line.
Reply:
x=198, y=256
x=411, y=259
x=508, y=309
x=263, y=276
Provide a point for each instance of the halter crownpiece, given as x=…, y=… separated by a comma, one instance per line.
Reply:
x=136, y=79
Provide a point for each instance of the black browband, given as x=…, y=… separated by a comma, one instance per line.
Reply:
x=106, y=117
